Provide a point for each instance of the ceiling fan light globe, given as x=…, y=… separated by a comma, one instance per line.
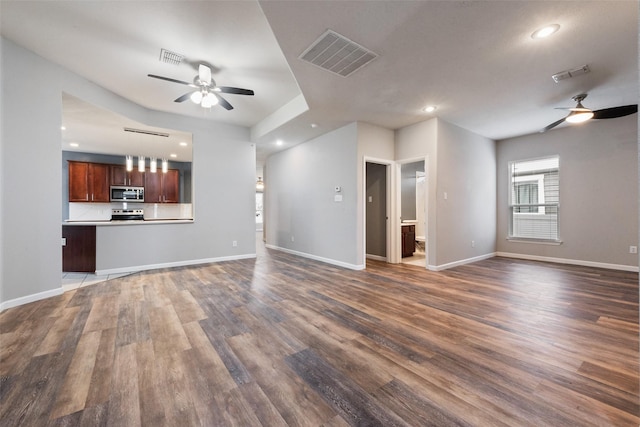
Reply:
x=209, y=100
x=196, y=97
x=579, y=116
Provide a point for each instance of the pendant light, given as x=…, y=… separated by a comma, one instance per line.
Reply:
x=129, y=163
x=165, y=165
x=153, y=165
x=260, y=184
x=141, y=164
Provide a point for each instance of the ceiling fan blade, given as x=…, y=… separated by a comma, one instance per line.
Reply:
x=184, y=97
x=552, y=125
x=223, y=102
x=204, y=74
x=172, y=80
x=235, y=90
x=614, y=112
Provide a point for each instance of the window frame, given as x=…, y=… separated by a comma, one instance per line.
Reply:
x=541, y=205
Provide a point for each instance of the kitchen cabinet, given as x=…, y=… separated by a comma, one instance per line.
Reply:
x=408, y=240
x=88, y=182
x=120, y=176
x=162, y=187
x=79, y=248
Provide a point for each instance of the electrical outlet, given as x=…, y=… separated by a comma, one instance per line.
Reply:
x=64, y=241
x=234, y=243
x=473, y=243
x=633, y=249
x=292, y=239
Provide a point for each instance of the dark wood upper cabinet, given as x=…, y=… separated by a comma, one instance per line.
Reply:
x=171, y=186
x=162, y=187
x=78, y=182
x=88, y=182
x=120, y=176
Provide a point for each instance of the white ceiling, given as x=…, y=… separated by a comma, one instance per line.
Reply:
x=474, y=59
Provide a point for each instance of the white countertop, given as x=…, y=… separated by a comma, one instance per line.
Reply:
x=129, y=222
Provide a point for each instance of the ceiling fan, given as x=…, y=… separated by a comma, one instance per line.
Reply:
x=580, y=114
x=207, y=93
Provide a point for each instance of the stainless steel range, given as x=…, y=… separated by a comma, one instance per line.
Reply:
x=127, y=214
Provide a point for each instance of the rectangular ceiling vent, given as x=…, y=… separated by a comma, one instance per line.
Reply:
x=146, y=132
x=170, y=57
x=336, y=53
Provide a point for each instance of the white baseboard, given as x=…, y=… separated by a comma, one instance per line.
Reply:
x=377, y=257
x=30, y=298
x=569, y=261
x=460, y=262
x=136, y=268
x=317, y=258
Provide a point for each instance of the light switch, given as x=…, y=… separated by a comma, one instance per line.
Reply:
x=64, y=241
x=370, y=199
x=337, y=198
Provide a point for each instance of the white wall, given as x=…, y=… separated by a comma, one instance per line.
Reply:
x=223, y=179
x=462, y=164
x=300, y=185
x=598, y=191
x=31, y=175
x=467, y=173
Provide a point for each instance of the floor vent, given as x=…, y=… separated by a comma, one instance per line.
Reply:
x=170, y=57
x=336, y=53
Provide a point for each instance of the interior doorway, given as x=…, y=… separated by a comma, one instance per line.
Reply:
x=413, y=213
x=377, y=182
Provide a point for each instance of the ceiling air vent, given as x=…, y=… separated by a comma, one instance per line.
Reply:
x=170, y=57
x=336, y=53
x=146, y=132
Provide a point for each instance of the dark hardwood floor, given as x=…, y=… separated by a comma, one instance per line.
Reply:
x=282, y=340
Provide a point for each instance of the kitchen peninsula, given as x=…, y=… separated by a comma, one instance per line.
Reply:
x=104, y=195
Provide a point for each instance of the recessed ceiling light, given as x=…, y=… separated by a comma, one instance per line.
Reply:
x=545, y=31
x=279, y=142
x=314, y=125
x=430, y=109
x=173, y=155
x=74, y=144
x=63, y=127
x=184, y=144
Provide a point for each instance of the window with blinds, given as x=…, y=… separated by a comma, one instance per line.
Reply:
x=534, y=199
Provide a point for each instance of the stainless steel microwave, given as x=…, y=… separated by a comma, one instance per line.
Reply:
x=127, y=194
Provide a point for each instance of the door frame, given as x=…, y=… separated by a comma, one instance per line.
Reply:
x=396, y=220
x=390, y=206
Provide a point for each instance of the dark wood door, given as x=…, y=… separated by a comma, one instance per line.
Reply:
x=153, y=187
x=79, y=252
x=99, y=182
x=79, y=182
x=171, y=186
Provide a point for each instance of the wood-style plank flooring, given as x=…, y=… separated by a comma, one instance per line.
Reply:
x=282, y=340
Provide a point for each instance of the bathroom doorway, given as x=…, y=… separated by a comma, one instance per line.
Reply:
x=413, y=213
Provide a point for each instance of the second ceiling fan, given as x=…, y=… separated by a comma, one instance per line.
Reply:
x=206, y=93
x=579, y=113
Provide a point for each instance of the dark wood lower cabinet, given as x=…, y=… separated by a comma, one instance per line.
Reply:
x=408, y=240
x=79, y=252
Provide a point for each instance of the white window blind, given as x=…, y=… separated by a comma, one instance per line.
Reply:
x=534, y=199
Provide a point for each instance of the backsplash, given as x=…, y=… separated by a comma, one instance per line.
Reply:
x=102, y=211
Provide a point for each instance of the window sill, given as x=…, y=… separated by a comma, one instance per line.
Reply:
x=537, y=241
